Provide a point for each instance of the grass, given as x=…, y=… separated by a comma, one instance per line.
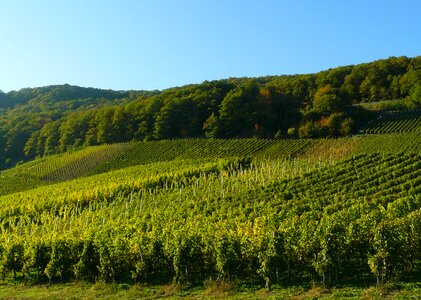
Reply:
x=221, y=290
x=385, y=105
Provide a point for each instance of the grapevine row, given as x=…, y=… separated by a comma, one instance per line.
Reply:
x=274, y=220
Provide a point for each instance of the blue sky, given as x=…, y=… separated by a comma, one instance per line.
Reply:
x=156, y=44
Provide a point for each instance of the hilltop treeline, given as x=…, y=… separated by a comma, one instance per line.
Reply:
x=36, y=122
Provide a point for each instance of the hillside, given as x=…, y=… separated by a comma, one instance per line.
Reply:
x=55, y=119
x=101, y=159
x=212, y=216
x=232, y=185
x=237, y=210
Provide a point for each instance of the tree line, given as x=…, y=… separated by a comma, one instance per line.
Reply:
x=37, y=122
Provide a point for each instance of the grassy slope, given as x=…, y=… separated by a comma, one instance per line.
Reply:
x=221, y=291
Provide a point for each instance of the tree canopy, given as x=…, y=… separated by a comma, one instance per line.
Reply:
x=46, y=120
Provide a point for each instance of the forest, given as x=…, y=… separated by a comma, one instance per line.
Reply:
x=54, y=119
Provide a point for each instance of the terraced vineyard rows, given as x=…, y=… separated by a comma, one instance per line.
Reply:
x=83, y=190
x=14, y=183
x=47, y=170
x=166, y=150
x=140, y=153
x=395, y=122
x=69, y=165
x=101, y=159
x=390, y=143
x=279, y=149
x=330, y=149
x=225, y=148
x=273, y=220
x=341, y=148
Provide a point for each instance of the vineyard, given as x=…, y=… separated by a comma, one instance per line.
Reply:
x=342, y=148
x=190, y=221
x=192, y=211
x=101, y=159
x=47, y=170
x=395, y=122
x=69, y=165
x=167, y=150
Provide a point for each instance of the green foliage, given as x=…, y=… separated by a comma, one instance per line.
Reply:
x=191, y=210
x=228, y=257
x=36, y=258
x=271, y=259
x=61, y=260
x=101, y=159
x=193, y=220
x=390, y=143
x=326, y=101
x=188, y=259
x=54, y=119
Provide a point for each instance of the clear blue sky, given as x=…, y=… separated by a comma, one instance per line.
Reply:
x=156, y=44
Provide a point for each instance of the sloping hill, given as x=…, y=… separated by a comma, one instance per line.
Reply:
x=193, y=220
x=341, y=148
x=55, y=168
x=101, y=159
x=55, y=119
